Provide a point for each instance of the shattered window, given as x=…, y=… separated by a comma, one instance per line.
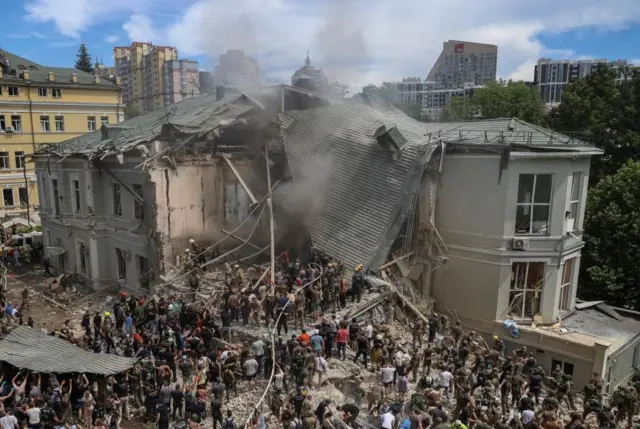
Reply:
x=122, y=264
x=574, y=204
x=565, y=287
x=534, y=204
x=82, y=254
x=117, y=200
x=527, y=281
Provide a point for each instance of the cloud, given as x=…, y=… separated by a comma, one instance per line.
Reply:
x=111, y=39
x=72, y=17
x=140, y=28
x=355, y=41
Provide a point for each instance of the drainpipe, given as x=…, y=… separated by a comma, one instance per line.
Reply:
x=33, y=135
x=33, y=147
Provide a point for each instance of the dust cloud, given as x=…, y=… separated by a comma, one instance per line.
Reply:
x=300, y=202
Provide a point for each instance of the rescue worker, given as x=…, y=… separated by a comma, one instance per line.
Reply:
x=357, y=283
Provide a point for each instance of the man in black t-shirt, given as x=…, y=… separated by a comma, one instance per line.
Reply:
x=351, y=412
x=163, y=416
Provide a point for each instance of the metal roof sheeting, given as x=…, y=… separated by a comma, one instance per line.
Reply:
x=34, y=350
x=368, y=192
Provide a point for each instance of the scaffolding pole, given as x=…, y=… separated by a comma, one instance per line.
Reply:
x=271, y=226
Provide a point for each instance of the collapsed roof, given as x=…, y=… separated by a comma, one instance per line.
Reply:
x=372, y=155
x=36, y=351
x=193, y=117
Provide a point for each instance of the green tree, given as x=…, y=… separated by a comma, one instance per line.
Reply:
x=130, y=111
x=606, y=114
x=339, y=90
x=83, y=61
x=498, y=100
x=612, y=235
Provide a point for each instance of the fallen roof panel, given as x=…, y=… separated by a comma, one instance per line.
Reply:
x=369, y=191
x=34, y=350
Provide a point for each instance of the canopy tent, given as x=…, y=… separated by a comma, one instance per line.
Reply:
x=34, y=350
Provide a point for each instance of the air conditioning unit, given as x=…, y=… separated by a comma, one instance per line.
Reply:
x=9, y=129
x=520, y=244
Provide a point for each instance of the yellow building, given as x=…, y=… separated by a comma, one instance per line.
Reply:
x=44, y=105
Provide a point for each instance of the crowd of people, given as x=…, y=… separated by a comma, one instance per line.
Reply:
x=188, y=368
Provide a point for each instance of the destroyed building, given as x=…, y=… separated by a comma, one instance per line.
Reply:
x=483, y=218
x=126, y=199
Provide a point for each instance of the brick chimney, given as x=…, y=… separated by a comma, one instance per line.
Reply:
x=96, y=78
x=52, y=77
x=74, y=77
x=26, y=75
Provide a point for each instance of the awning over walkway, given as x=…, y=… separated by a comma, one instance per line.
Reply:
x=34, y=350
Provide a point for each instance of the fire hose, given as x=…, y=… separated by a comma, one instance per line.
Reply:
x=273, y=349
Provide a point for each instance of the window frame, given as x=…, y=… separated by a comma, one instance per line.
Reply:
x=5, y=159
x=56, y=92
x=13, y=198
x=138, y=207
x=55, y=191
x=26, y=190
x=91, y=120
x=82, y=258
x=532, y=204
x=75, y=188
x=16, y=123
x=18, y=157
x=121, y=264
x=116, y=199
x=104, y=120
x=566, y=285
x=16, y=91
x=139, y=266
x=3, y=121
x=574, y=199
x=45, y=124
x=514, y=290
x=43, y=92
x=59, y=122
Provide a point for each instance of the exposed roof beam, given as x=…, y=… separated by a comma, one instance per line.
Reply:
x=244, y=185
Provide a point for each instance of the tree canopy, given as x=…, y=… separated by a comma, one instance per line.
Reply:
x=612, y=235
x=339, y=90
x=606, y=113
x=498, y=100
x=598, y=110
x=83, y=61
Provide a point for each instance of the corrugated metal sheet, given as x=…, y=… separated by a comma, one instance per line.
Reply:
x=32, y=349
x=368, y=192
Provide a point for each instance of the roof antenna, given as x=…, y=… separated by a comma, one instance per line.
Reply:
x=307, y=60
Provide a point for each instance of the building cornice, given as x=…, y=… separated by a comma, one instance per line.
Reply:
x=58, y=104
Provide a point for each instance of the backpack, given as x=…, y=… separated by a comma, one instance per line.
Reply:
x=298, y=424
x=229, y=424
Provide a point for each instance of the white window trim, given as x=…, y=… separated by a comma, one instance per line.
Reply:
x=13, y=193
x=573, y=219
x=532, y=204
x=53, y=177
x=546, y=262
x=569, y=286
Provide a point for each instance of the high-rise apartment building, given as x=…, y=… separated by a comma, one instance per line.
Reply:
x=42, y=105
x=237, y=69
x=181, y=80
x=432, y=96
x=147, y=83
x=460, y=63
x=552, y=76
